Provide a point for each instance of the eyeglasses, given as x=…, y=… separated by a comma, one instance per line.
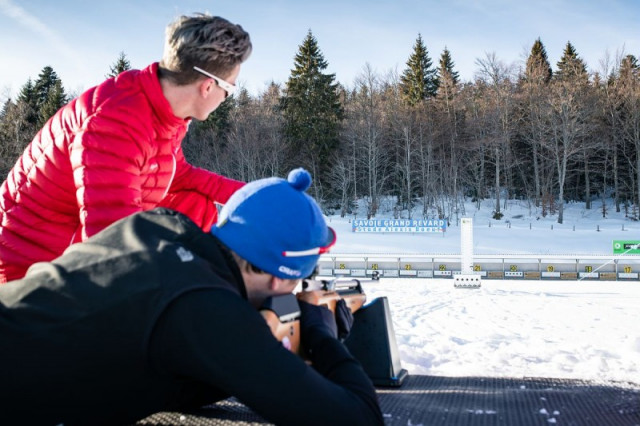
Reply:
x=224, y=85
x=315, y=250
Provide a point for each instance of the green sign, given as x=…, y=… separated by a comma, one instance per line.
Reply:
x=626, y=246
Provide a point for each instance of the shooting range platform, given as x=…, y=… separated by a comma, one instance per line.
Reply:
x=472, y=401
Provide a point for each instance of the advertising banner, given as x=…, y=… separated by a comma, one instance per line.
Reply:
x=399, y=225
x=626, y=246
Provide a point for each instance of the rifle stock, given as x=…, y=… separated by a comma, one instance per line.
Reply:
x=282, y=313
x=327, y=293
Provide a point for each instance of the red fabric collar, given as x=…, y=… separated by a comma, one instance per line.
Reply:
x=161, y=107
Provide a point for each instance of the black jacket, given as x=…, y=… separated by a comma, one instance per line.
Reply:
x=151, y=315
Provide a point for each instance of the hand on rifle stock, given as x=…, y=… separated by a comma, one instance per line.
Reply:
x=342, y=298
x=344, y=319
x=335, y=302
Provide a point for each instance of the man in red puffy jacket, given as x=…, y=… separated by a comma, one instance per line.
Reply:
x=116, y=149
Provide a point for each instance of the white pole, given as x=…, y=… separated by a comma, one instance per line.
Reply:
x=466, y=246
x=468, y=277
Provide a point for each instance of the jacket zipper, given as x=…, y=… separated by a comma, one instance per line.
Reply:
x=173, y=175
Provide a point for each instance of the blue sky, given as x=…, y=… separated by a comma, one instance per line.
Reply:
x=82, y=39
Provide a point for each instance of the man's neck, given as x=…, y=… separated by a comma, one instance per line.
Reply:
x=179, y=97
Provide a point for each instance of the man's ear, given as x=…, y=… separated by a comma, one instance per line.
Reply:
x=275, y=283
x=204, y=87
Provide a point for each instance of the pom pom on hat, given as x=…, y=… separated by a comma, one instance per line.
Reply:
x=273, y=224
x=300, y=179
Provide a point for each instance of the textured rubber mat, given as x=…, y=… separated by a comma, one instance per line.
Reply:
x=473, y=401
x=430, y=400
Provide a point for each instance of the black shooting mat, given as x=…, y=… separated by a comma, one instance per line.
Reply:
x=472, y=401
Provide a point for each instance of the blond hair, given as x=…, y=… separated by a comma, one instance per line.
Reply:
x=205, y=41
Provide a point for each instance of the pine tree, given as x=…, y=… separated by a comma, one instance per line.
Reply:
x=312, y=112
x=418, y=82
x=28, y=100
x=538, y=68
x=534, y=88
x=45, y=82
x=5, y=108
x=121, y=64
x=629, y=68
x=571, y=100
x=447, y=78
x=49, y=95
x=571, y=66
x=446, y=66
x=447, y=106
x=56, y=99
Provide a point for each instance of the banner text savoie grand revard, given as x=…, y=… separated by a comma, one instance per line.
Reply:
x=399, y=225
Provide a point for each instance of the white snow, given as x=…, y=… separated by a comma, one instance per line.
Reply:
x=512, y=328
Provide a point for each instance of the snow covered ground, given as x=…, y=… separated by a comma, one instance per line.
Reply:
x=564, y=329
x=582, y=330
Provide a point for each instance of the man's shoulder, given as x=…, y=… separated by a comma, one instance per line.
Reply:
x=124, y=93
x=146, y=230
x=114, y=102
x=135, y=97
x=160, y=220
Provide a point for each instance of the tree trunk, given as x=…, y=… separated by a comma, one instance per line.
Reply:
x=497, y=180
x=587, y=183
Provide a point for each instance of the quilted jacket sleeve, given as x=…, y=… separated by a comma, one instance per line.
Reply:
x=195, y=192
x=106, y=159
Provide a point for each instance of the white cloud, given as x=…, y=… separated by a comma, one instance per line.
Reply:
x=34, y=24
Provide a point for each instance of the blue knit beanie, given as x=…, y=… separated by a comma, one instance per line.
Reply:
x=273, y=224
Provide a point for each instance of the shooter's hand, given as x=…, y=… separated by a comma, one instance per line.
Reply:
x=344, y=319
x=316, y=323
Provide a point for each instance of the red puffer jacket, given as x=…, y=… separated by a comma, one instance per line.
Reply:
x=113, y=151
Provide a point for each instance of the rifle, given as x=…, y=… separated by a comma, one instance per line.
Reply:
x=327, y=293
x=282, y=313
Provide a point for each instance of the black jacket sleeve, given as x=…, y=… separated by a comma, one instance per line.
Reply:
x=215, y=338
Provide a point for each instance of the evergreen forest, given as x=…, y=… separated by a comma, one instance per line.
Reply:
x=545, y=135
